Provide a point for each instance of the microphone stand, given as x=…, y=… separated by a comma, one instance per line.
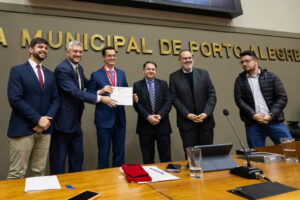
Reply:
x=243, y=171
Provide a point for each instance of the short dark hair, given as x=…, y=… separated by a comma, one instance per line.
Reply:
x=107, y=48
x=248, y=53
x=38, y=40
x=149, y=62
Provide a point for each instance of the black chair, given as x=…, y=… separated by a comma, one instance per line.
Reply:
x=294, y=129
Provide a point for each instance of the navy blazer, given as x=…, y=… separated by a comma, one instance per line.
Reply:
x=204, y=98
x=28, y=101
x=105, y=116
x=163, y=105
x=68, y=118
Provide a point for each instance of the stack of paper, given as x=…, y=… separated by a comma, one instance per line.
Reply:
x=41, y=183
x=158, y=174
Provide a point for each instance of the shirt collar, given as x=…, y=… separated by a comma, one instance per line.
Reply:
x=149, y=81
x=257, y=75
x=73, y=65
x=33, y=64
x=113, y=68
x=186, y=71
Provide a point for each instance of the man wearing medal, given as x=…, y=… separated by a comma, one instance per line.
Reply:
x=110, y=118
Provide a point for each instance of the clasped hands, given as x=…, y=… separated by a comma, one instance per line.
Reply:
x=43, y=124
x=109, y=101
x=262, y=118
x=197, y=118
x=154, y=119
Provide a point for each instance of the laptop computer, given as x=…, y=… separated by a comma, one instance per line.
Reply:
x=217, y=157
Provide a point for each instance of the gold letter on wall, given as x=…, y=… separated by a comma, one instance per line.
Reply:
x=133, y=46
x=26, y=37
x=144, y=49
x=93, y=38
x=162, y=44
x=60, y=37
x=2, y=38
x=119, y=41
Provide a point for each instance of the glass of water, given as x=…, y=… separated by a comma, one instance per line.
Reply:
x=289, y=149
x=195, y=161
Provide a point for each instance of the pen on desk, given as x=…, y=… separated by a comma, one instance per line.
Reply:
x=156, y=170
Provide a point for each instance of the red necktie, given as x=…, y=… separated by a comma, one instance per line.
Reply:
x=40, y=76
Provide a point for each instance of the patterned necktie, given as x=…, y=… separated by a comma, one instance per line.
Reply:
x=40, y=77
x=78, y=77
x=111, y=74
x=152, y=97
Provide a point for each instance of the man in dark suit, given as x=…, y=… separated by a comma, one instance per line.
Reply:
x=194, y=98
x=33, y=97
x=110, y=118
x=153, y=107
x=67, y=136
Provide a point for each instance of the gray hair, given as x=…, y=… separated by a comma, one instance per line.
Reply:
x=73, y=42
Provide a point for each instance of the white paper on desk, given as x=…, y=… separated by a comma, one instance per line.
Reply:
x=123, y=95
x=156, y=176
x=41, y=183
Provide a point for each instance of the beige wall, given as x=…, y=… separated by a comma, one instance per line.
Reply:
x=223, y=70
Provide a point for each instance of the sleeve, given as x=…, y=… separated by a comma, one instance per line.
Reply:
x=280, y=97
x=16, y=99
x=242, y=105
x=138, y=107
x=183, y=111
x=66, y=83
x=211, y=97
x=167, y=106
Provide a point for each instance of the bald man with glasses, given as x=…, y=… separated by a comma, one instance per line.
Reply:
x=194, y=98
x=261, y=98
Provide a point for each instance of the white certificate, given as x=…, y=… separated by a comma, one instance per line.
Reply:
x=123, y=95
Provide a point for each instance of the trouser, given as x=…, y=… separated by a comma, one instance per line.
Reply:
x=106, y=137
x=147, y=144
x=196, y=136
x=63, y=145
x=32, y=151
x=257, y=133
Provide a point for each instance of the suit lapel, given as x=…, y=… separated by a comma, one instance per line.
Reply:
x=146, y=93
x=71, y=69
x=157, y=92
x=196, y=79
x=33, y=76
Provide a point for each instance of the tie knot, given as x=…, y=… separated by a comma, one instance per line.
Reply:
x=38, y=66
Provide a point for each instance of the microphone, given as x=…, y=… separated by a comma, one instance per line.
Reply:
x=243, y=171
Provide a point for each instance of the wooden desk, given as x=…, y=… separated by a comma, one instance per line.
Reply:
x=112, y=185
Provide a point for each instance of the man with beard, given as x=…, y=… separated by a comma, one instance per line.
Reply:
x=33, y=97
x=67, y=136
x=153, y=107
x=194, y=98
x=261, y=98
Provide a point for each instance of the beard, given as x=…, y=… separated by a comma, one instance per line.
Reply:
x=38, y=57
x=187, y=67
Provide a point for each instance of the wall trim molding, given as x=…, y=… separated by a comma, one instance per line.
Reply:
x=113, y=17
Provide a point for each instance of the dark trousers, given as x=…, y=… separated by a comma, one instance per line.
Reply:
x=196, y=136
x=147, y=144
x=63, y=145
x=106, y=137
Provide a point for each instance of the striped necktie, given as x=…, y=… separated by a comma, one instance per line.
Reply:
x=41, y=80
x=152, y=97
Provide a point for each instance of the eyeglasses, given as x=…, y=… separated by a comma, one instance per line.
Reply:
x=246, y=61
x=186, y=58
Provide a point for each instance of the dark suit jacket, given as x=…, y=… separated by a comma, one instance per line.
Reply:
x=163, y=105
x=69, y=115
x=105, y=116
x=204, y=98
x=28, y=102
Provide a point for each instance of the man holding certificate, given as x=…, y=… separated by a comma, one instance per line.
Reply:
x=153, y=107
x=110, y=117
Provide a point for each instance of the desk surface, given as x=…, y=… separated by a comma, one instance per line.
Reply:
x=112, y=184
